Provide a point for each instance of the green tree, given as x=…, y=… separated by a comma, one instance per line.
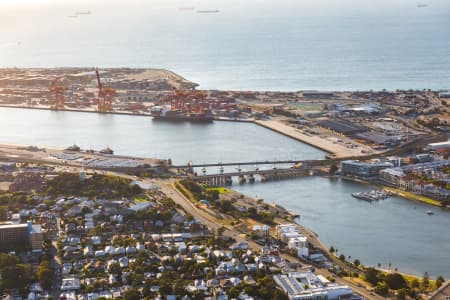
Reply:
x=401, y=294
x=3, y=211
x=382, y=288
x=8, y=260
x=356, y=262
x=178, y=287
x=425, y=281
x=131, y=294
x=395, y=281
x=415, y=283
x=233, y=292
x=439, y=281
x=45, y=275
x=371, y=275
x=16, y=277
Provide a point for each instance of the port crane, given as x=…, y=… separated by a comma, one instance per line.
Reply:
x=198, y=102
x=57, y=92
x=105, y=95
x=192, y=101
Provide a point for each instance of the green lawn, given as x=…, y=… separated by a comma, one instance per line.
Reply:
x=308, y=106
x=140, y=198
x=221, y=190
x=413, y=196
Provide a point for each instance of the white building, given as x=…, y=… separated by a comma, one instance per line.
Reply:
x=279, y=229
x=261, y=230
x=308, y=286
x=70, y=284
x=290, y=234
x=300, y=244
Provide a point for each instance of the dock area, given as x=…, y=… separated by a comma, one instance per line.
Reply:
x=84, y=159
x=334, y=149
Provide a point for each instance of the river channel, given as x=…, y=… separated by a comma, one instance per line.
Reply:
x=394, y=230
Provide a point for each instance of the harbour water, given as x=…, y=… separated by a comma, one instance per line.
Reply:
x=140, y=136
x=392, y=230
x=248, y=45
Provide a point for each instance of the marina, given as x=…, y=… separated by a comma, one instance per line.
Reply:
x=373, y=195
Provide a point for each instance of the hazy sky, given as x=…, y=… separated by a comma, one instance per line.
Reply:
x=299, y=6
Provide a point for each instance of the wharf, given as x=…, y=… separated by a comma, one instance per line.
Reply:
x=33, y=154
x=339, y=151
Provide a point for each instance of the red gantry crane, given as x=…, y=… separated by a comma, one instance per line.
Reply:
x=105, y=95
x=57, y=92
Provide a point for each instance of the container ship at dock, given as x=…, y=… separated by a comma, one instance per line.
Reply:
x=165, y=113
x=183, y=105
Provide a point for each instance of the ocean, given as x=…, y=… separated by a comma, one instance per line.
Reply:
x=248, y=45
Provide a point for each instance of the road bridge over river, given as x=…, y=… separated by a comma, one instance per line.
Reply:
x=252, y=175
x=317, y=162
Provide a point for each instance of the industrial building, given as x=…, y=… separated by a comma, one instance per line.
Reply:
x=442, y=146
x=318, y=95
x=308, y=286
x=380, y=138
x=341, y=126
x=364, y=109
x=444, y=95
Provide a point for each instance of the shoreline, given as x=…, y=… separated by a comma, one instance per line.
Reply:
x=299, y=137
x=313, y=237
x=274, y=129
x=333, y=150
x=414, y=197
x=126, y=113
x=77, y=110
x=398, y=192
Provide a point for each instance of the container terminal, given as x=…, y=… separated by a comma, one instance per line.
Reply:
x=344, y=124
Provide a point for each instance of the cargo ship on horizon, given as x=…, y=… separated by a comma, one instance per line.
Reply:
x=208, y=11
